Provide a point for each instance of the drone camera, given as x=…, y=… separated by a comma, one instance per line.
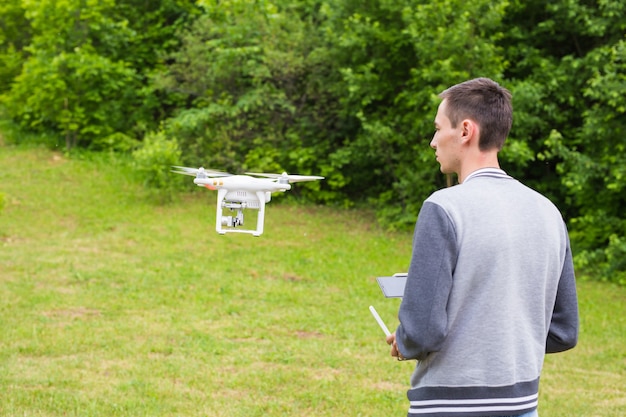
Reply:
x=227, y=221
x=233, y=221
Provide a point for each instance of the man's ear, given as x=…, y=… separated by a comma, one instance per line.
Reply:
x=469, y=131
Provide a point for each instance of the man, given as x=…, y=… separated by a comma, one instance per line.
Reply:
x=491, y=285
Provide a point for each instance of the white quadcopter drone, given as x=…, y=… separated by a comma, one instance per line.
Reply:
x=239, y=192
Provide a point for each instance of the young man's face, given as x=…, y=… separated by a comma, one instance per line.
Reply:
x=446, y=142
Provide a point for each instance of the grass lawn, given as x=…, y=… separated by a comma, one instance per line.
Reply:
x=112, y=305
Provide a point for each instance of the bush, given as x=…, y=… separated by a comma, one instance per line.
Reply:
x=608, y=264
x=154, y=160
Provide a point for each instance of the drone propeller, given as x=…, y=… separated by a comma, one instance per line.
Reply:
x=287, y=177
x=195, y=172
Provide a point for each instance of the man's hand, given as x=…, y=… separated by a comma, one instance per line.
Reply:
x=391, y=340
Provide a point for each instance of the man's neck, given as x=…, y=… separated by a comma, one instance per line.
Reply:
x=482, y=160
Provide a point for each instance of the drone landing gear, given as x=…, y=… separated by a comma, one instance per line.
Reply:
x=231, y=224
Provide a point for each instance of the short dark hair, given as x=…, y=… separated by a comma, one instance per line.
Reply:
x=485, y=102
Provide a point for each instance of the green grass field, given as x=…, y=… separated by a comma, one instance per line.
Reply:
x=113, y=305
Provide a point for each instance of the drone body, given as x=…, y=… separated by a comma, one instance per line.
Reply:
x=239, y=192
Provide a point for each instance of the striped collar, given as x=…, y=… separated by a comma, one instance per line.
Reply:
x=487, y=172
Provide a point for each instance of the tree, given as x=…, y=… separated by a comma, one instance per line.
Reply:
x=14, y=36
x=85, y=75
x=254, y=78
x=593, y=166
x=394, y=58
x=569, y=83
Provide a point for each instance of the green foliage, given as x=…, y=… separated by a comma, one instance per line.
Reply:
x=569, y=109
x=85, y=87
x=116, y=142
x=394, y=59
x=593, y=163
x=14, y=36
x=154, y=159
x=88, y=66
x=256, y=98
x=80, y=95
x=606, y=264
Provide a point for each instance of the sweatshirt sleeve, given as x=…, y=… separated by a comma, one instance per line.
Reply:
x=422, y=314
x=563, y=332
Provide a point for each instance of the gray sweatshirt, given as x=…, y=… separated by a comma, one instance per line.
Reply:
x=490, y=290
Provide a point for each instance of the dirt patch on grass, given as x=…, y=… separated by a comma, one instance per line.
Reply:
x=72, y=313
x=308, y=335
